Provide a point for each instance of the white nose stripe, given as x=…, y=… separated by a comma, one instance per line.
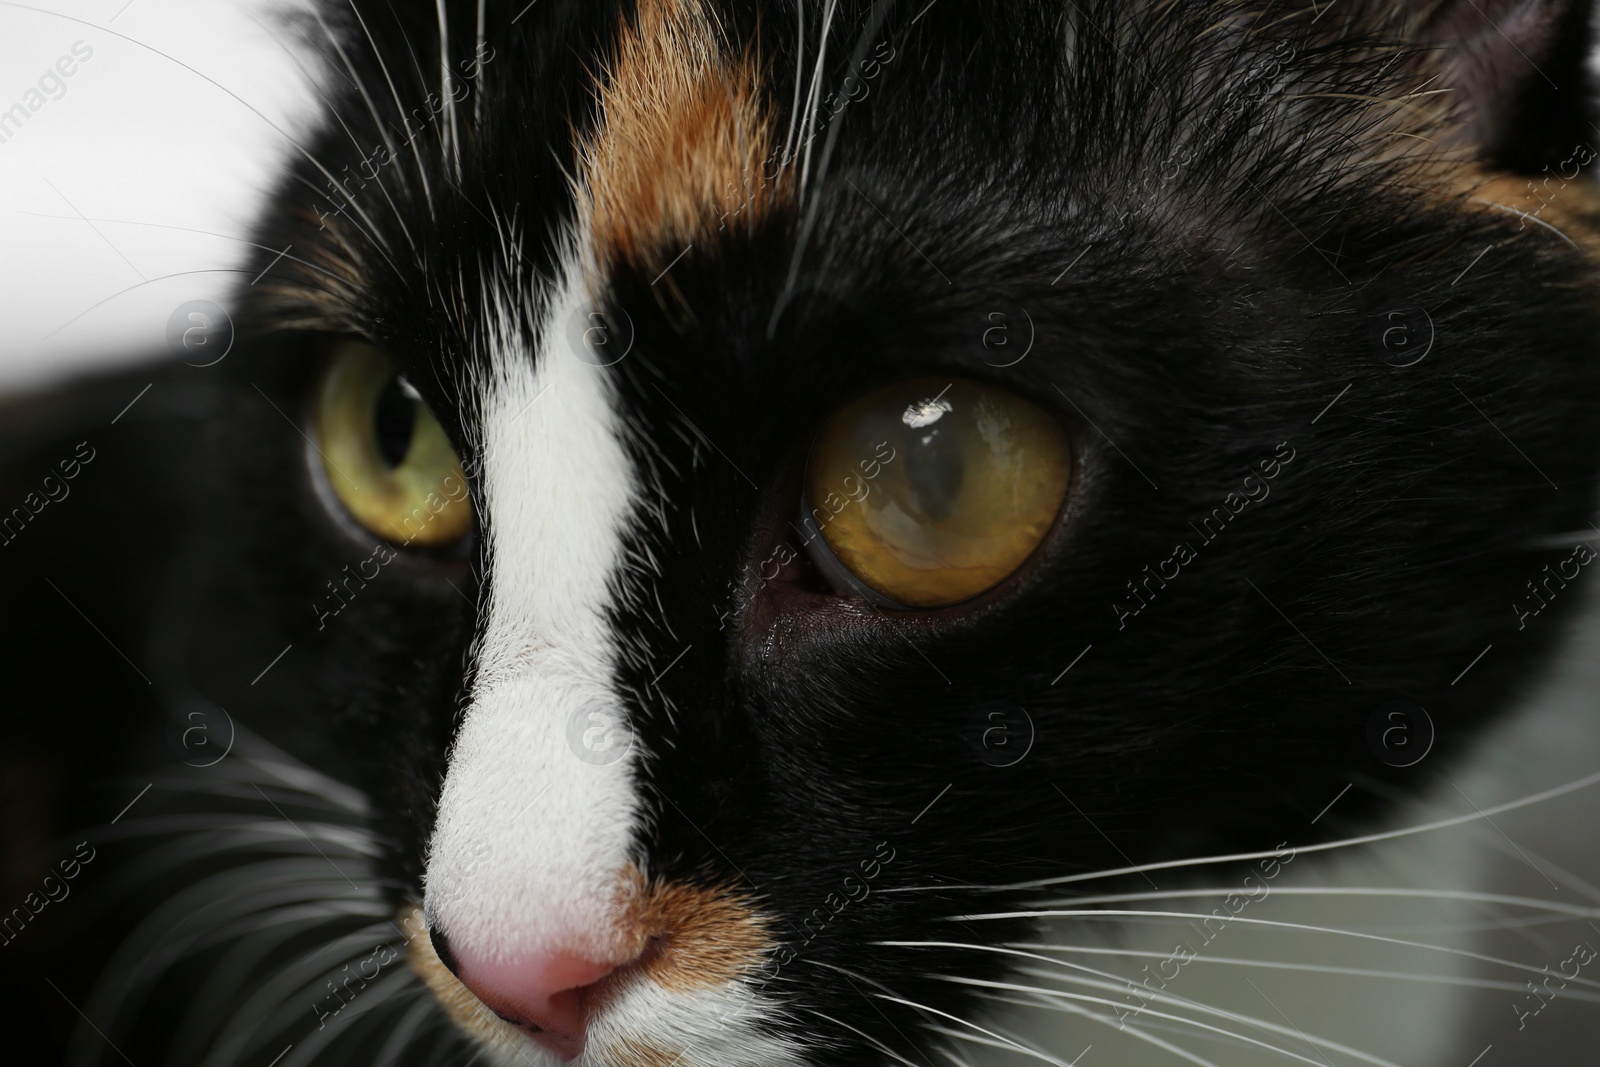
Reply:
x=538, y=808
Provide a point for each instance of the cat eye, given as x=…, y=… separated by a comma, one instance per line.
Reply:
x=385, y=456
x=930, y=491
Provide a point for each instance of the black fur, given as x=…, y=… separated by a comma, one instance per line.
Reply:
x=1203, y=327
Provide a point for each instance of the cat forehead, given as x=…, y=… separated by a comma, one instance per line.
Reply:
x=737, y=174
x=648, y=139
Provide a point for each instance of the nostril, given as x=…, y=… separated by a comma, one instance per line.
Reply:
x=441, y=948
x=544, y=996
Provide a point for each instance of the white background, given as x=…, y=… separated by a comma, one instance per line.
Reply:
x=169, y=167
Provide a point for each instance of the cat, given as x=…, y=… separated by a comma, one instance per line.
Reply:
x=842, y=533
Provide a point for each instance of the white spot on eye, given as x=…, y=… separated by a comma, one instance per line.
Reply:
x=925, y=413
x=408, y=390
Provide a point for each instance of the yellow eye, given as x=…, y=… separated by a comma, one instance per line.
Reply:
x=386, y=457
x=932, y=490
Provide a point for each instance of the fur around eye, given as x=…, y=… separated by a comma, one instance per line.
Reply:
x=933, y=490
x=384, y=456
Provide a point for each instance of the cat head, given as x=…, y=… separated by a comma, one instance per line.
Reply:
x=779, y=484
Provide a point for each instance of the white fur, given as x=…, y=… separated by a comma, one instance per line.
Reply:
x=531, y=839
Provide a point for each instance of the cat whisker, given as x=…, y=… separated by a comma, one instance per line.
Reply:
x=799, y=64
x=288, y=994
x=185, y=229
x=1097, y=914
x=369, y=1003
x=1022, y=949
x=1533, y=903
x=879, y=1045
x=1242, y=857
x=995, y=1042
x=331, y=109
x=1281, y=965
x=1053, y=994
x=452, y=140
x=377, y=122
x=477, y=97
x=1034, y=1053
x=1108, y=981
x=405, y=1028
x=378, y=244
x=1137, y=1030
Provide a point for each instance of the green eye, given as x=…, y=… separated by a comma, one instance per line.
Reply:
x=385, y=456
x=932, y=490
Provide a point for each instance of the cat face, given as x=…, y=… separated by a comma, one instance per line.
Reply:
x=832, y=475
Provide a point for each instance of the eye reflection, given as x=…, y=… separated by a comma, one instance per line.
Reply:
x=932, y=490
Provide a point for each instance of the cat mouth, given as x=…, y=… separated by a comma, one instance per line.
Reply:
x=693, y=950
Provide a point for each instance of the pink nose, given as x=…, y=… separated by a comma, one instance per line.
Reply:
x=545, y=997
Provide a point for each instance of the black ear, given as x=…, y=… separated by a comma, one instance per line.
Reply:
x=1520, y=69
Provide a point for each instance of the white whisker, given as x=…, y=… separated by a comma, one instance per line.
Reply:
x=1042, y=1056
x=1105, y=980
x=1242, y=857
x=383, y=68
x=1056, y=993
x=1134, y=1030
x=879, y=1045
x=1095, y=914
x=1533, y=903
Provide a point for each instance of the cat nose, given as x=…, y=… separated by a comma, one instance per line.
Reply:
x=545, y=996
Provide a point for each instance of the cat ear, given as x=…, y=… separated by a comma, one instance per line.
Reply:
x=1519, y=70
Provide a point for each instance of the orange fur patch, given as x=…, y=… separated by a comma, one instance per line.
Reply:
x=682, y=146
x=464, y=1008
x=688, y=938
x=1569, y=208
x=684, y=939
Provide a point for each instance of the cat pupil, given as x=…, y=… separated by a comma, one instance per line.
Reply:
x=394, y=422
x=935, y=468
